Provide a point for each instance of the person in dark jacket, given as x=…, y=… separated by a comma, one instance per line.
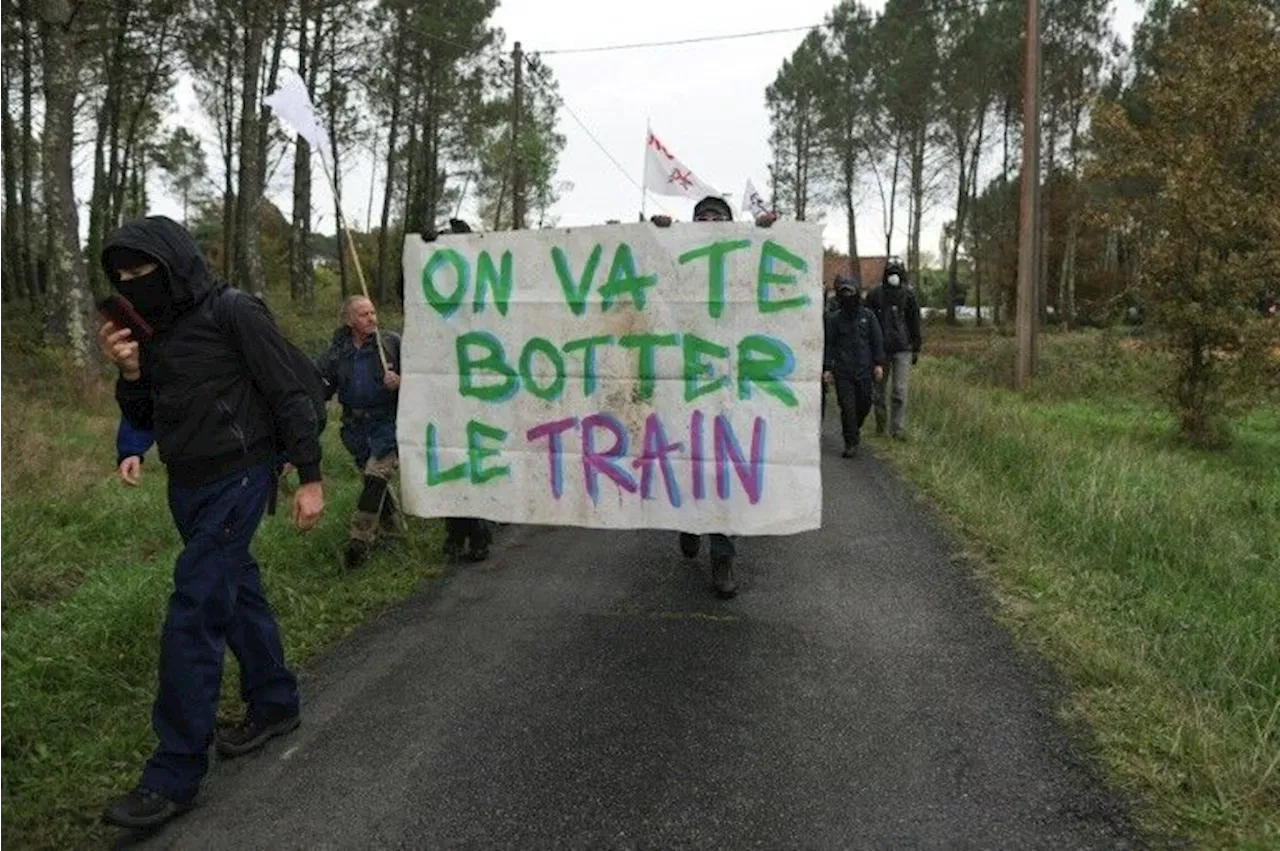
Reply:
x=723, y=549
x=895, y=305
x=352, y=367
x=830, y=306
x=853, y=359
x=214, y=386
x=464, y=537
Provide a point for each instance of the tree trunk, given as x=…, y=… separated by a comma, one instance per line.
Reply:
x=248, y=255
x=850, y=165
x=14, y=279
x=893, y=196
x=229, y=215
x=336, y=164
x=301, y=274
x=68, y=297
x=918, y=144
x=273, y=73
x=30, y=230
x=962, y=189
x=393, y=135
x=1046, y=205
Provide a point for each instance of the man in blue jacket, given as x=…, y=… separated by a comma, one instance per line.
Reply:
x=853, y=358
x=352, y=367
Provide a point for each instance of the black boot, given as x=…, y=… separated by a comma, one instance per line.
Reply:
x=355, y=554
x=251, y=734
x=722, y=577
x=389, y=520
x=690, y=544
x=141, y=809
x=480, y=538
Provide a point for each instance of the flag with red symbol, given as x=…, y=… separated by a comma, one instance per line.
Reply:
x=664, y=174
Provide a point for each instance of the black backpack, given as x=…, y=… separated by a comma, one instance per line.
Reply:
x=303, y=366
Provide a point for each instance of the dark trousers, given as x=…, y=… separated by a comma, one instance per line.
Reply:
x=458, y=529
x=721, y=545
x=217, y=602
x=854, y=396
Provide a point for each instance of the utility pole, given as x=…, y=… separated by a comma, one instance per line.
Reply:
x=1030, y=201
x=517, y=169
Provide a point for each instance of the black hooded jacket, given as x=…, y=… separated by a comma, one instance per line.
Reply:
x=216, y=384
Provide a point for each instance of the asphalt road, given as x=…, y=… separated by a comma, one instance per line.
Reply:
x=585, y=690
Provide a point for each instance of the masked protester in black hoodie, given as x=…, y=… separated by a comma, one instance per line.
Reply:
x=853, y=359
x=216, y=386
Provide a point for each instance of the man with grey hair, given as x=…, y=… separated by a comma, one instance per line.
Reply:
x=353, y=368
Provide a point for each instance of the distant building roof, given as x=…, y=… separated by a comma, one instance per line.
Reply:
x=834, y=263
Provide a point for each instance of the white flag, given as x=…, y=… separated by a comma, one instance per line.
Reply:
x=752, y=202
x=293, y=106
x=666, y=175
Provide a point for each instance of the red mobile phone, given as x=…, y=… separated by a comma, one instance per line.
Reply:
x=117, y=308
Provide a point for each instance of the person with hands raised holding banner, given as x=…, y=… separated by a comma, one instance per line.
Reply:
x=206, y=371
x=465, y=537
x=723, y=549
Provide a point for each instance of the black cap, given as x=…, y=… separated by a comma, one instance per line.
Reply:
x=716, y=203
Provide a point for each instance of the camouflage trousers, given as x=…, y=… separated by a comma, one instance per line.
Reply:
x=376, y=502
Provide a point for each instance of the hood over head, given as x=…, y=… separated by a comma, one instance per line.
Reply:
x=182, y=280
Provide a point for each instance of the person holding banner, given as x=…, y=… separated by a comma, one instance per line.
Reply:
x=853, y=358
x=723, y=549
x=369, y=393
x=464, y=537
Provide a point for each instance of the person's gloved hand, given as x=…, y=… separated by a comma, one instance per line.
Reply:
x=661, y=221
x=428, y=235
x=915, y=358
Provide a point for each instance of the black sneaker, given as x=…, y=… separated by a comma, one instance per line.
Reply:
x=454, y=548
x=355, y=554
x=850, y=451
x=250, y=734
x=690, y=544
x=142, y=808
x=722, y=576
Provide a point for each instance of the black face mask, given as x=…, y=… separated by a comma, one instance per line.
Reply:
x=151, y=297
x=848, y=302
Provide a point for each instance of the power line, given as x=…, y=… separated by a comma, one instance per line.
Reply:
x=931, y=8
x=540, y=73
x=643, y=44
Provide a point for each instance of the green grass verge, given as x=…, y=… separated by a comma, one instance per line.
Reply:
x=1148, y=573
x=87, y=571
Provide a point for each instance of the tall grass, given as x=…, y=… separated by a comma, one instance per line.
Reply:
x=1150, y=573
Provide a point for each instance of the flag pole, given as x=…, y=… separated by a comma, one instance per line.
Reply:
x=355, y=257
x=644, y=169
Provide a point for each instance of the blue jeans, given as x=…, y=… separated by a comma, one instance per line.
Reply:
x=217, y=602
x=368, y=437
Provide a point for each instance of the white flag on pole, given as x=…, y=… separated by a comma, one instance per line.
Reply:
x=666, y=175
x=292, y=105
x=752, y=202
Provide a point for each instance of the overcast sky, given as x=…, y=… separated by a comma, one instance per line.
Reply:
x=705, y=101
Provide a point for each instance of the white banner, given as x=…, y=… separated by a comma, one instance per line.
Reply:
x=626, y=376
x=666, y=175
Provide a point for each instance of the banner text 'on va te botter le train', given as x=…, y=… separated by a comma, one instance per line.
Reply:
x=623, y=376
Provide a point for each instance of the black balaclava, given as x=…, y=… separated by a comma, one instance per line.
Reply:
x=149, y=294
x=848, y=298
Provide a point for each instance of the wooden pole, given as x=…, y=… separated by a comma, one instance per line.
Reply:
x=1030, y=201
